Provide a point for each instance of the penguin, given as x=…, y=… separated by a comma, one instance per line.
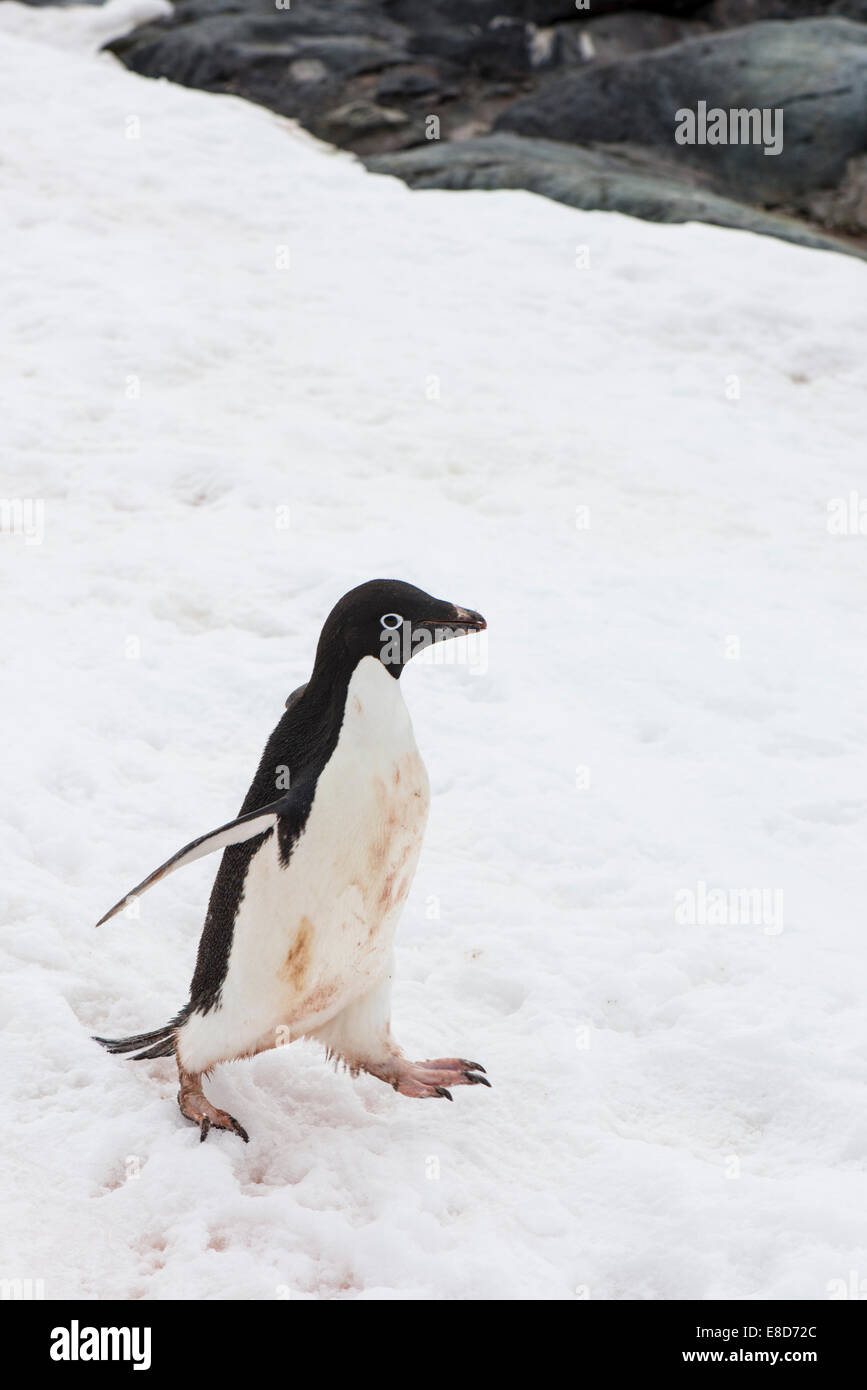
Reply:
x=299, y=930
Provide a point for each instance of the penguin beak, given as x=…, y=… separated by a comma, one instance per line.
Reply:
x=453, y=622
x=466, y=620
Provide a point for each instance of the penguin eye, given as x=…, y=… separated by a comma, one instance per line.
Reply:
x=391, y=621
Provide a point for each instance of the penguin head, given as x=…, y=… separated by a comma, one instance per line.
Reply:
x=392, y=621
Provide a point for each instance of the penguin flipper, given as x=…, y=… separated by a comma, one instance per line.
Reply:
x=292, y=700
x=261, y=822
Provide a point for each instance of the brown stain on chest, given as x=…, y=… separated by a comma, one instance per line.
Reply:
x=318, y=999
x=390, y=894
x=297, y=963
x=400, y=812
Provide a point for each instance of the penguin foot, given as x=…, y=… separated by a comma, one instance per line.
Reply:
x=431, y=1079
x=195, y=1106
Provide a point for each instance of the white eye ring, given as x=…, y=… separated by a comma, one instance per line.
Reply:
x=391, y=626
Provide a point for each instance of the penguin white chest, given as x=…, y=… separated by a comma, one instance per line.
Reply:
x=314, y=934
x=370, y=809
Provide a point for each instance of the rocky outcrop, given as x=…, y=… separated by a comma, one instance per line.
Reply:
x=814, y=71
x=621, y=179
x=353, y=72
x=466, y=92
x=602, y=39
x=731, y=14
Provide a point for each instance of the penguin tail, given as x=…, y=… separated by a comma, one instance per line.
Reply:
x=160, y=1043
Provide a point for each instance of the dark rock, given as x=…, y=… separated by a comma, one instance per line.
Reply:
x=238, y=21
x=407, y=82
x=807, y=68
x=844, y=209
x=624, y=180
x=549, y=11
x=358, y=118
x=620, y=35
x=299, y=68
x=495, y=50
x=730, y=14
x=439, y=14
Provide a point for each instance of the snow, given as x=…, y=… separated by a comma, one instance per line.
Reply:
x=672, y=694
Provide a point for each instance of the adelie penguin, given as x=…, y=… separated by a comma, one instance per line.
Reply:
x=298, y=936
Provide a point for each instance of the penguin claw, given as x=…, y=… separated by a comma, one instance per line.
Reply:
x=194, y=1105
x=219, y=1119
x=431, y=1078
